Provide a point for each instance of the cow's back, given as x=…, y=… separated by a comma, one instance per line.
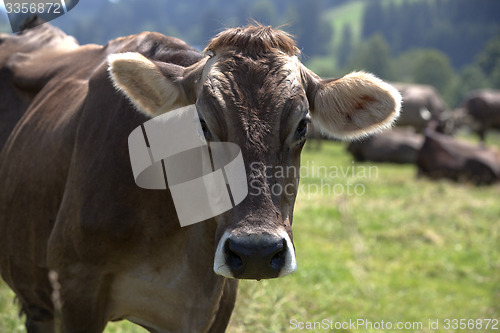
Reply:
x=484, y=106
x=421, y=103
x=443, y=156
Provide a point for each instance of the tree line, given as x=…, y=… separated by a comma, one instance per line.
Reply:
x=452, y=44
x=458, y=28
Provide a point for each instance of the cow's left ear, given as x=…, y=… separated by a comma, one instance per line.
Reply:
x=153, y=87
x=354, y=106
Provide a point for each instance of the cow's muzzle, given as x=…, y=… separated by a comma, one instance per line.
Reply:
x=255, y=256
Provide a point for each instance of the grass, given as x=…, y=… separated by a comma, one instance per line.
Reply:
x=406, y=250
x=401, y=249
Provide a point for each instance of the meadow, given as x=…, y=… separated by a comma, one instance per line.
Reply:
x=375, y=246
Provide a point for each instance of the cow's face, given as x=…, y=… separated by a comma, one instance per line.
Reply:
x=260, y=104
x=253, y=91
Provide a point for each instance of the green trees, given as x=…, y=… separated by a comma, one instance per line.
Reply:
x=457, y=28
x=263, y=11
x=442, y=43
x=434, y=68
x=452, y=44
x=374, y=56
x=311, y=31
x=489, y=61
x=483, y=73
x=345, y=46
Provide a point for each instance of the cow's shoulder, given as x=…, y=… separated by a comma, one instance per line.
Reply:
x=83, y=124
x=100, y=172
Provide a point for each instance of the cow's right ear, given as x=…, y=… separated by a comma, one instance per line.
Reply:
x=153, y=87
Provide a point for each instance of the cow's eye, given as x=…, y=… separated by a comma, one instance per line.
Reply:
x=302, y=128
x=205, y=129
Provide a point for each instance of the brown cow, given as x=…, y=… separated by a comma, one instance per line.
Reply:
x=394, y=146
x=421, y=104
x=442, y=156
x=69, y=202
x=483, y=107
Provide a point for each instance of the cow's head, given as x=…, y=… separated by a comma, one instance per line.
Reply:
x=251, y=89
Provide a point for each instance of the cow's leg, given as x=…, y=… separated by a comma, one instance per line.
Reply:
x=83, y=295
x=39, y=327
x=226, y=307
x=38, y=320
x=34, y=297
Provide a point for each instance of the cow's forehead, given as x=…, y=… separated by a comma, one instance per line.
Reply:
x=258, y=82
x=254, y=96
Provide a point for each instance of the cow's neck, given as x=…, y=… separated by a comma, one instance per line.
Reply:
x=186, y=287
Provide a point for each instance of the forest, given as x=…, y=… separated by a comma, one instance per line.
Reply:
x=451, y=44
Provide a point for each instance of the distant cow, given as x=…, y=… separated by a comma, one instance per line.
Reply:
x=443, y=156
x=483, y=107
x=68, y=200
x=393, y=146
x=421, y=104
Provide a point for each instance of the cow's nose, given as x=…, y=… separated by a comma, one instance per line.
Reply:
x=255, y=256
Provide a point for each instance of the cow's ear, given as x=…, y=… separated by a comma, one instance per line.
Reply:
x=354, y=106
x=153, y=87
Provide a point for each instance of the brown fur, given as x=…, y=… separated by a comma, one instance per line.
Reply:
x=421, y=104
x=483, y=106
x=443, y=156
x=254, y=40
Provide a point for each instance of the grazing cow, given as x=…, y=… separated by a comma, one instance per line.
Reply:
x=394, y=146
x=483, y=107
x=442, y=156
x=69, y=203
x=421, y=104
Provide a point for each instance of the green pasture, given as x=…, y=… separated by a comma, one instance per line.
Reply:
x=394, y=248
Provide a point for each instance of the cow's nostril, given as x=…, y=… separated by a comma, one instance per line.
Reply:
x=278, y=260
x=233, y=259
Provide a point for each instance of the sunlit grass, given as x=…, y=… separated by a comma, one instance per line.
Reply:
x=407, y=249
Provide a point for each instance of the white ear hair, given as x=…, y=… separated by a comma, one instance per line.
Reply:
x=356, y=105
x=143, y=83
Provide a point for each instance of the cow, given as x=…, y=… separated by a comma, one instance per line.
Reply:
x=69, y=205
x=421, y=104
x=394, y=146
x=483, y=109
x=443, y=156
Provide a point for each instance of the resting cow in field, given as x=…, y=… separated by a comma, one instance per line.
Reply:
x=442, y=156
x=69, y=202
x=483, y=108
x=394, y=146
x=421, y=104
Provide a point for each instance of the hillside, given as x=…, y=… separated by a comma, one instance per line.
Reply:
x=387, y=37
x=459, y=28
